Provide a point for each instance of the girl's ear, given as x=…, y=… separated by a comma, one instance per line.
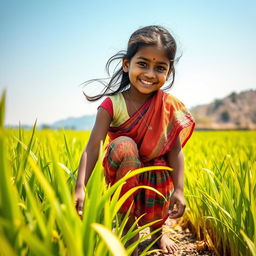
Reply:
x=125, y=65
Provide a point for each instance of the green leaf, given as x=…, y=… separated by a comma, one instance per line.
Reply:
x=111, y=241
x=2, y=109
x=6, y=248
x=129, y=193
x=249, y=242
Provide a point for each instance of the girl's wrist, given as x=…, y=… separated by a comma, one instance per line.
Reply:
x=179, y=189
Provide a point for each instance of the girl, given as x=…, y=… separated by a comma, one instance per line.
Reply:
x=146, y=127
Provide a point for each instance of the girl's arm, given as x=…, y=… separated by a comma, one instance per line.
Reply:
x=176, y=161
x=90, y=155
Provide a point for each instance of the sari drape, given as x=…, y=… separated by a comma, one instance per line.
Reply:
x=154, y=128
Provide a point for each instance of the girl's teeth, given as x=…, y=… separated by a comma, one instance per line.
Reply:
x=146, y=82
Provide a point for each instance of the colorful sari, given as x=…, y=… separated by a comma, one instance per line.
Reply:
x=154, y=128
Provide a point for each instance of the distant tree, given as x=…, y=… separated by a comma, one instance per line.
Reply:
x=224, y=116
x=217, y=104
x=233, y=97
x=46, y=126
x=238, y=123
x=213, y=107
x=253, y=116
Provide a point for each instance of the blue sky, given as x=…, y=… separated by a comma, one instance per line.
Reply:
x=48, y=48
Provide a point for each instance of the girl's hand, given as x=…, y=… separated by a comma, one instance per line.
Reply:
x=177, y=204
x=90, y=156
x=79, y=200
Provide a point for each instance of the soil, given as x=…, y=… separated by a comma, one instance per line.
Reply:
x=188, y=245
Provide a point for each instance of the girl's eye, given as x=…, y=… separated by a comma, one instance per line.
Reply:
x=160, y=68
x=142, y=64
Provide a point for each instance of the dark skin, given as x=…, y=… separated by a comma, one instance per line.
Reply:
x=148, y=70
x=90, y=156
x=176, y=161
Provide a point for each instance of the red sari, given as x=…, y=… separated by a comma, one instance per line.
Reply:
x=154, y=127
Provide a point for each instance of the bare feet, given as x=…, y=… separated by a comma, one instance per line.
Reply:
x=165, y=243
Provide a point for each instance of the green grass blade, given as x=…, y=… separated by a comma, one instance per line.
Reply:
x=250, y=243
x=111, y=241
x=129, y=193
x=6, y=248
x=2, y=109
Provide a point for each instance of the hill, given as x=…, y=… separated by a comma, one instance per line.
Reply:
x=75, y=123
x=236, y=111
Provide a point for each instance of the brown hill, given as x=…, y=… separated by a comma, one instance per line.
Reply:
x=236, y=111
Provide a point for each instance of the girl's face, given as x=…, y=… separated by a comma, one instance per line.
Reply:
x=148, y=69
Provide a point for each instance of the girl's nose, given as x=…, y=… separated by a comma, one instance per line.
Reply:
x=150, y=73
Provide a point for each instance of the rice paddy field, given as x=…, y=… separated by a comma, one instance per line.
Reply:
x=38, y=170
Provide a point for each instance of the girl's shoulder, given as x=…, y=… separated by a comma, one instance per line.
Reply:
x=117, y=98
x=116, y=107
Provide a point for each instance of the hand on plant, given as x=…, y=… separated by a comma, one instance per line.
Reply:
x=177, y=204
x=79, y=200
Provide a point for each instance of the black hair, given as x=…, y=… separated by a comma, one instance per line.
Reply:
x=146, y=36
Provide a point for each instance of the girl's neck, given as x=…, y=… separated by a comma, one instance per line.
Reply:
x=136, y=96
x=134, y=100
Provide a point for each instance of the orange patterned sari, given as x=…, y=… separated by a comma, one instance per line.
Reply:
x=154, y=128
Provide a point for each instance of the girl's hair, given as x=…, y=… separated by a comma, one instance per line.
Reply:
x=146, y=36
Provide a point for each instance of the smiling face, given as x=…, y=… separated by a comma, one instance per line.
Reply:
x=148, y=69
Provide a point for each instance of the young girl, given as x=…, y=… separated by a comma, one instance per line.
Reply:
x=146, y=127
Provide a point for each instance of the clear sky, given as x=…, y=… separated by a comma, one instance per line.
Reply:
x=48, y=48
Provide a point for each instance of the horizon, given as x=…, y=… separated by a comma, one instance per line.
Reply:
x=94, y=114
x=49, y=48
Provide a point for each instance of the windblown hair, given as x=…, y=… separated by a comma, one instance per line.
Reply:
x=146, y=36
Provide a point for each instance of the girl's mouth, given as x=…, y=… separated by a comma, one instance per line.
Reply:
x=145, y=82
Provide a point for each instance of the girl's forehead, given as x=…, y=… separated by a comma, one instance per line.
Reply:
x=154, y=53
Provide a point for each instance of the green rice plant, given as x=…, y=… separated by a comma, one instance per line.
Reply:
x=50, y=223
x=37, y=212
x=10, y=217
x=221, y=189
x=38, y=172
